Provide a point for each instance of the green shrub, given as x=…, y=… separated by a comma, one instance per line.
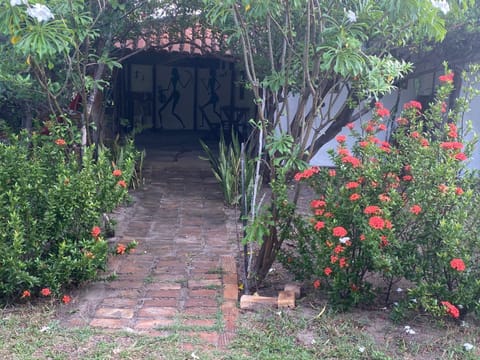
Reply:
x=403, y=209
x=52, y=195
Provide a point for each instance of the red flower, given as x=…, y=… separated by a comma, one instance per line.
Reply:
x=452, y=310
x=424, y=142
x=333, y=259
x=412, y=105
x=383, y=241
x=372, y=209
x=350, y=126
x=343, y=152
x=461, y=157
x=444, y=107
x=316, y=284
x=382, y=127
x=452, y=130
x=338, y=249
x=25, y=294
x=376, y=222
x=332, y=173
x=385, y=146
x=117, y=172
x=121, y=249
x=459, y=191
x=443, y=188
x=447, y=78
x=339, y=231
x=407, y=178
x=327, y=271
x=382, y=112
x=402, y=121
x=317, y=203
x=355, y=197
x=363, y=144
x=451, y=145
x=352, y=160
x=384, y=198
x=60, y=142
x=66, y=299
x=388, y=224
x=415, y=209
x=306, y=173
x=457, y=264
x=319, y=225
x=342, y=262
x=362, y=237
x=45, y=291
x=415, y=135
x=96, y=231
x=341, y=138
x=122, y=183
x=352, y=185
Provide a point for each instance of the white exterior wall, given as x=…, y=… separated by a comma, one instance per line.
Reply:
x=420, y=86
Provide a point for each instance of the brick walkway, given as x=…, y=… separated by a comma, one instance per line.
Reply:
x=182, y=277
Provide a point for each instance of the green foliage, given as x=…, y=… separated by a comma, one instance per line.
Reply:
x=402, y=209
x=52, y=196
x=226, y=166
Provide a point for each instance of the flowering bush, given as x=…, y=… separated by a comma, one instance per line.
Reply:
x=51, y=204
x=402, y=209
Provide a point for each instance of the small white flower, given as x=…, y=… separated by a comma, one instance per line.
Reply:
x=351, y=16
x=414, y=301
x=40, y=12
x=395, y=303
x=399, y=290
x=313, y=341
x=271, y=270
x=344, y=240
x=442, y=5
x=44, y=328
x=468, y=346
x=361, y=349
x=409, y=330
x=194, y=356
x=18, y=2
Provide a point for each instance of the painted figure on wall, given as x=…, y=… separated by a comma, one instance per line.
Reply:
x=212, y=86
x=171, y=96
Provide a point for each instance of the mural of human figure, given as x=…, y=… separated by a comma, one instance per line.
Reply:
x=212, y=86
x=173, y=97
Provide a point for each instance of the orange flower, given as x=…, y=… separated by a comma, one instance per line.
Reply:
x=45, y=292
x=60, y=142
x=122, y=183
x=121, y=249
x=25, y=294
x=66, y=299
x=452, y=310
x=117, y=172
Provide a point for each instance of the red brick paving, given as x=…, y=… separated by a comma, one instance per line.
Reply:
x=182, y=274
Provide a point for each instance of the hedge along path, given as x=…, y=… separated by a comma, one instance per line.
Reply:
x=182, y=277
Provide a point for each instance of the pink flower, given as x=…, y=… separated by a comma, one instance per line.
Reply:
x=461, y=157
x=355, y=197
x=319, y=225
x=66, y=299
x=350, y=126
x=332, y=173
x=316, y=284
x=327, y=271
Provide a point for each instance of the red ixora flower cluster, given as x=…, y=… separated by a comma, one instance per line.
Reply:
x=339, y=231
x=117, y=172
x=457, y=264
x=306, y=173
x=381, y=110
x=452, y=310
x=45, y=292
x=447, y=78
x=413, y=104
x=60, y=142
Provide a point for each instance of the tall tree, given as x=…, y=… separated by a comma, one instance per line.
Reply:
x=321, y=64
